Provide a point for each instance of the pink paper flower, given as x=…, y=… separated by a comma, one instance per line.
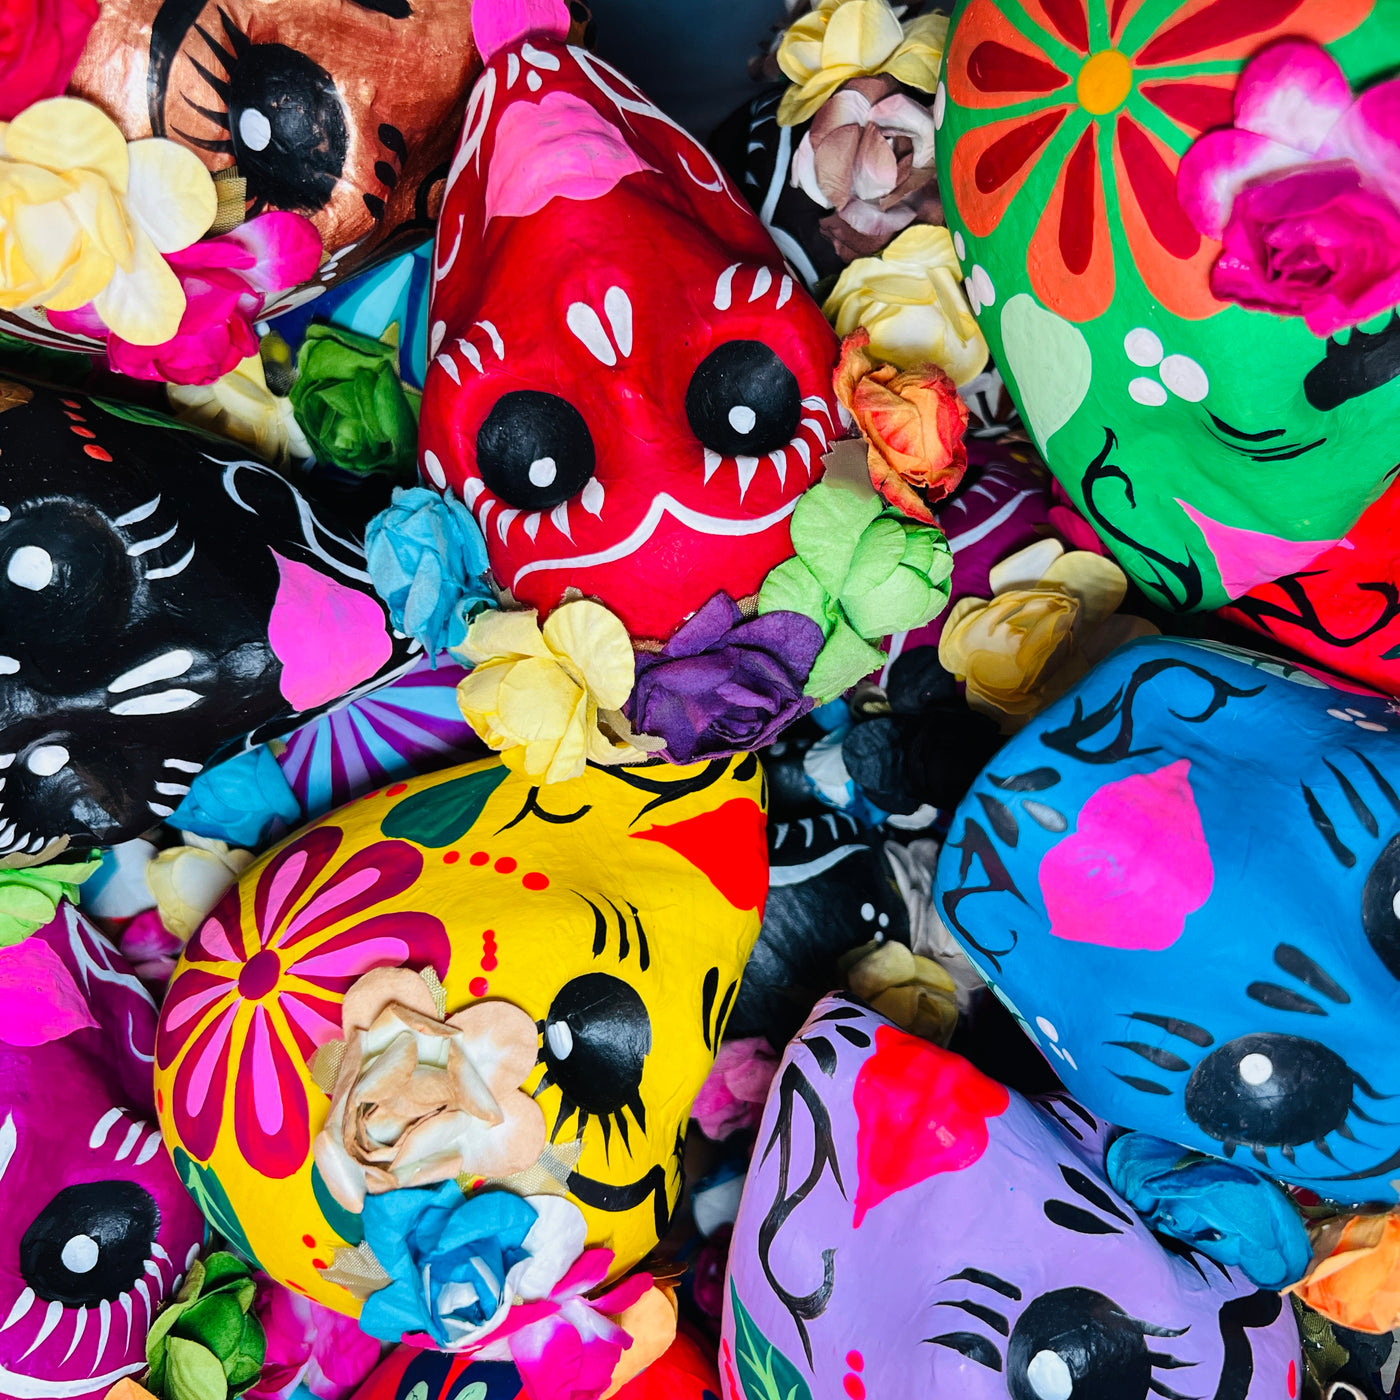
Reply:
x=226, y=281
x=308, y=1344
x=733, y=1095
x=150, y=947
x=1303, y=191
x=40, y=44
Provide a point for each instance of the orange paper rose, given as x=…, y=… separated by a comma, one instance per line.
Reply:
x=1354, y=1280
x=913, y=423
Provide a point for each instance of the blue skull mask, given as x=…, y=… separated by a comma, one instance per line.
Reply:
x=1184, y=879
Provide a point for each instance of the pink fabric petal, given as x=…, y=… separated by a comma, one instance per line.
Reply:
x=1369, y=134
x=1292, y=93
x=39, y=1000
x=285, y=250
x=82, y=321
x=1218, y=166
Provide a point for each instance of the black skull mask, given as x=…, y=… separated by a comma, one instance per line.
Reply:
x=160, y=597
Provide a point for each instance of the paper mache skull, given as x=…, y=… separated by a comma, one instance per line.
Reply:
x=923, y=1230
x=1182, y=878
x=160, y=597
x=1213, y=448
x=95, y=1229
x=617, y=909
x=629, y=390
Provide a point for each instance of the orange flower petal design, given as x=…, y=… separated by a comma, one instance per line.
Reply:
x=1067, y=18
x=1236, y=29
x=1197, y=104
x=1070, y=258
x=1173, y=259
x=991, y=64
x=990, y=164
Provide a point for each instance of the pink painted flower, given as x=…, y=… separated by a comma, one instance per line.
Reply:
x=733, y=1095
x=226, y=281
x=1303, y=191
x=261, y=984
x=308, y=1344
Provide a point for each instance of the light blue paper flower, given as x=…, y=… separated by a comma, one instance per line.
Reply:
x=241, y=801
x=427, y=560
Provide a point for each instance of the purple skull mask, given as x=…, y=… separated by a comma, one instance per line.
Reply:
x=95, y=1228
x=910, y=1227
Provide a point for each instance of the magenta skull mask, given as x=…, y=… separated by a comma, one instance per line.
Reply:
x=912, y=1228
x=95, y=1228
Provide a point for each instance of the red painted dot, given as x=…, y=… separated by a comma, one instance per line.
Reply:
x=535, y=881
x=477, y=986
x=395, y=790
x=855, y=1387
x=479, y=857
x=160, y=1100
x=259, y=975
x=82, y=432
x=370, y=796
x=99, y=454
x=1292, y=1379
x=505, y=865
x=309, y=1241
x=855, y=1361
x=319, y=1264
x=488, y=963
x=452, y=857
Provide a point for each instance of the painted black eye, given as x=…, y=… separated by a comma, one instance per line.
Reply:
x=287, y=127
x=1077, y=1343
x=596, y=1039
x=1380, y=907
x=1275, y=1090
x=743, y=401
x=89, y=1243
x=534, y=450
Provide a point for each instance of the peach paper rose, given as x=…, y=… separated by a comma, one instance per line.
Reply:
x=1354, y=1280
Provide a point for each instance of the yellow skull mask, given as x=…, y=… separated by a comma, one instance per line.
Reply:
x=617, y=909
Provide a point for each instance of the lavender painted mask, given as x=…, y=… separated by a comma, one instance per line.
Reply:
x=912, y=1228
x=95, y=1228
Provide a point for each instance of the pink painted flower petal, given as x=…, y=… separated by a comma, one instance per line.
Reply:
x=193, y=994
x=271, y=1119
x=1218, y=166
x=1247, y=558
x=220, y=936
x=1292, y=93
x=369, y=877
x=201, y=1079
x=498, y=24
x=285, y=250
x=289, y=875
x=1369, y=134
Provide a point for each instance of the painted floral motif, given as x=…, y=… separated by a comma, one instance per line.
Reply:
x=1104, y=95
x=262, y=986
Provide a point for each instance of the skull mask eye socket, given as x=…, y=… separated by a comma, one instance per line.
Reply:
x=1076, y=1342
x=91, y=1242
x=534, y=450
x=743, y=401
x=1380, y=907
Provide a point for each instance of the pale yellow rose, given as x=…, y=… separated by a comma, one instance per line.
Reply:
x=85, y=217
x=241, y=407
x=1051, y=618
x=912, y=302
x=844, y=39
x=549, y=701
x=187, y=881
x=914, y=992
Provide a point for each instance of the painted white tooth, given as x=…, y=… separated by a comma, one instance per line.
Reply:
x=844, y=413
x=815, y=424
x=163, y=702
x=145, y=1293
x=763, y=279
x=497, y=344
x=23, y=1303
x=161, y=810
x=152, y=1268
x=157, y=1250
x=125, y=1300
x=618, y=307
x=7, y=833
x=9, y=1140
x=799, y=445
x=178, y=567
x=486, y=508
x=103, y=1127
x=712, y=461
x=588, y=330
x=164, y=667
x=135, y=517
x=173, y=789
x=6, y=759
x=145, y=546
x=35, y=846
x=779, y=461
x=532, y=524
x=592, y=496
x=506, y=519
x=746, y=467
x=470, y=354
x=8, y=665
x=21, y=841
x=724, y=288
x=184, y=765
x=449, y=368
x=50, y=1322
x=512, y=69
x=104, y=1312
x=784, y=290
x=472, y=488
x=129, y=1141
x=78, y=1327
x=559, y=518
x=192, y=1255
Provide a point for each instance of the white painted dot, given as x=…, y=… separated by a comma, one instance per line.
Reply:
x=884, y=921
x=973, y=300
x=533, y=80
x=542, y=472
x=47, y=760
x=1185, y=378
x=79, y=1255
x=1147, y=391
x=1395, y=904
x=1372, y=726
x=742, y=418
x=1049, y=1376
x=867, y=912
x=433, y=467
x=1142, y=347
x=986, y=289
x=560, y=1038
x=960, y=246
x=1048, y=1027
x=1256, y=1069
x=1340, y=714
x=254, y=130
x=940, y=106
x=8, y=665
x=1356, y=714
x=435, y=335
x=30, y=567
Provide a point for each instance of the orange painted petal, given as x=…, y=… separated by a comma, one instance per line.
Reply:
x=1196, y=104
x=1203, y=30
x=1172, y=258
x=991, y=64
x=991, y=163
x=1066, y=18
x=1070, y=258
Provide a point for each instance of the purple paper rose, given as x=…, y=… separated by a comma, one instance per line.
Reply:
x=724, y=684
x=1303, y=191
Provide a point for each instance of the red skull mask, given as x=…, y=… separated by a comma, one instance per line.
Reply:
x=629, y=389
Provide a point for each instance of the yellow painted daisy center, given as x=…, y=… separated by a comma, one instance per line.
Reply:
x=1104, y=82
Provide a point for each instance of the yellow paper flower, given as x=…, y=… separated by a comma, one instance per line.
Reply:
x=188, y=881
x=548, y=701
x=85, y=217
x=1046, y=624
x=911, y=300
x=844, y=39
x=914, y=992
x=240, y=406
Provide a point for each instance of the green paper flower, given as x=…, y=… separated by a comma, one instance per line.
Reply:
x=29, y=898
x=860, y=573
x=352, y=405
x=207, y=1345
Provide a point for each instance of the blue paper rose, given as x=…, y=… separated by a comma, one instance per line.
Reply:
x=242, y=801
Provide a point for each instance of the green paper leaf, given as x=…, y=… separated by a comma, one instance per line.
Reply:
x=29, y=897
x=193, y=1373
x=764, y=1372
x=215, y=1321
x=841, y=663
x=244, y=1364
x=790, y=587
x=826, y=528
x=221, y=1267
x=155, y=1337
x=445, y=813
x=876, y=557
